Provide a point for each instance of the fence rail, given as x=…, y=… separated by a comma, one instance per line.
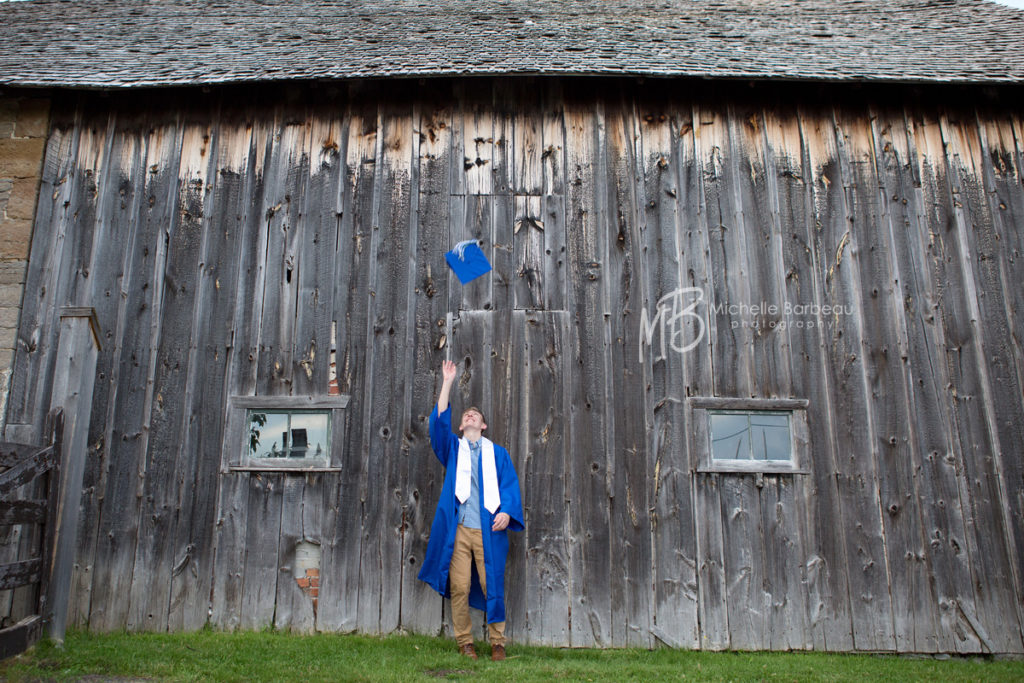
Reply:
x=23, y=464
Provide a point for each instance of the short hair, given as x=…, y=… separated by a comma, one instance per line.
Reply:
x=476, y=410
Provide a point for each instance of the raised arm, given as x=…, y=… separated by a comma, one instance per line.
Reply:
x=448, y=371
x=441, y=436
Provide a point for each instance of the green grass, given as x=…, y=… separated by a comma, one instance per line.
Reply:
x=269, y=656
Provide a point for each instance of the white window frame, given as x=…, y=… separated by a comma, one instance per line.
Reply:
x=702, y=407
x=236, y=454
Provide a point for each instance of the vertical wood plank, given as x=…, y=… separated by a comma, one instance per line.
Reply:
x=118, y=523
x=293, y=605
x=501, y=107
x=503, y=276
x=979, y=315
x=316, y=253
x=529, y=246
x=782, y=504
x=261, y=571
x=74, y=248
x=757, y=232
x=889, y=422
x=817, y=495
x=712, y=596
x=246, y=279
x=421, y=605
x=339, y=590
x=527, y=137
x=626, y=273
x=694, y=215
x=544, y=368
x=507, y=425
x=154, y=561
x=475, y=146
x=212, y=346
x=1005, y=372
x=784, y=564
x=964, y=612
x=999, y=146
x=733, y=372
x=899, y=448
x=935, y=480
x=586, y=253
x=870, y=602
x=47, y=254
x=747, y=601
x=335, y=151
x=381, y=561
x=121, y=195
x=284, y=199
x=553, y=156
x=673, y=561
x=709, y=141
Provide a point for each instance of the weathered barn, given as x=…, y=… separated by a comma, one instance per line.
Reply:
x=752, y=335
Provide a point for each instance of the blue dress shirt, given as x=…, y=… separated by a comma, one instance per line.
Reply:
x=469, y=512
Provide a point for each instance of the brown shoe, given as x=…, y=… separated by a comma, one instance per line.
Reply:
x=468, y=650
x=498, y=653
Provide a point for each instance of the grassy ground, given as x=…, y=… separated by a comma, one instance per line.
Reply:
x=213, y=656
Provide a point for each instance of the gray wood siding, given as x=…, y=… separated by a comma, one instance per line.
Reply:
x=222, y=241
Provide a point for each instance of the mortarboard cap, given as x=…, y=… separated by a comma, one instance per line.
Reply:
x=467, y=260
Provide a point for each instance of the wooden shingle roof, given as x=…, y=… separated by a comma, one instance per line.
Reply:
x=131, y=43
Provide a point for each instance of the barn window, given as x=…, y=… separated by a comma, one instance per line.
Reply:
x=750, y=435
x=289, y=433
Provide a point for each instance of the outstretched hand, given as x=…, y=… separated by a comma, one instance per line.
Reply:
x=448, y=370
x=501, y=521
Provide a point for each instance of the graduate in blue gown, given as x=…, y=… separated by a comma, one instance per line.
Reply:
x=481, y=475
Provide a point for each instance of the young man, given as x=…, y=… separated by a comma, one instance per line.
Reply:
x=480, y=503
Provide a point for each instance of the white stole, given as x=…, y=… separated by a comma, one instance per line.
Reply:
x=464, y=473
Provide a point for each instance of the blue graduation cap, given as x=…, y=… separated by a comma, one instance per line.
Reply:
x=468, y=261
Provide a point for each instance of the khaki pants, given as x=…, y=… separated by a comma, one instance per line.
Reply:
x=469, y=547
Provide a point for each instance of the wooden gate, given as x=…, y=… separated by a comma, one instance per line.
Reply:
x=28, y=499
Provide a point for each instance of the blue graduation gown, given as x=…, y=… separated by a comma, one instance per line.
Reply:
x=442, y=531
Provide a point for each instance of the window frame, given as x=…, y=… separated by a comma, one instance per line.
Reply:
x=236, y=456
x=702, y=407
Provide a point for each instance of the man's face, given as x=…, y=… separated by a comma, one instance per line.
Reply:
x=471, y=419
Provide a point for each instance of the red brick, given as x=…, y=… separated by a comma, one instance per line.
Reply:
x=315, y=592
x=314, y=582
x=303, y=583
x=312, y=572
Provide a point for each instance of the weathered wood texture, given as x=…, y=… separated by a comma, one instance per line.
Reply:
x=233, y=247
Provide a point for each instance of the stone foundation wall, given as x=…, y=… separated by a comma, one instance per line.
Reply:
x=24, y=121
